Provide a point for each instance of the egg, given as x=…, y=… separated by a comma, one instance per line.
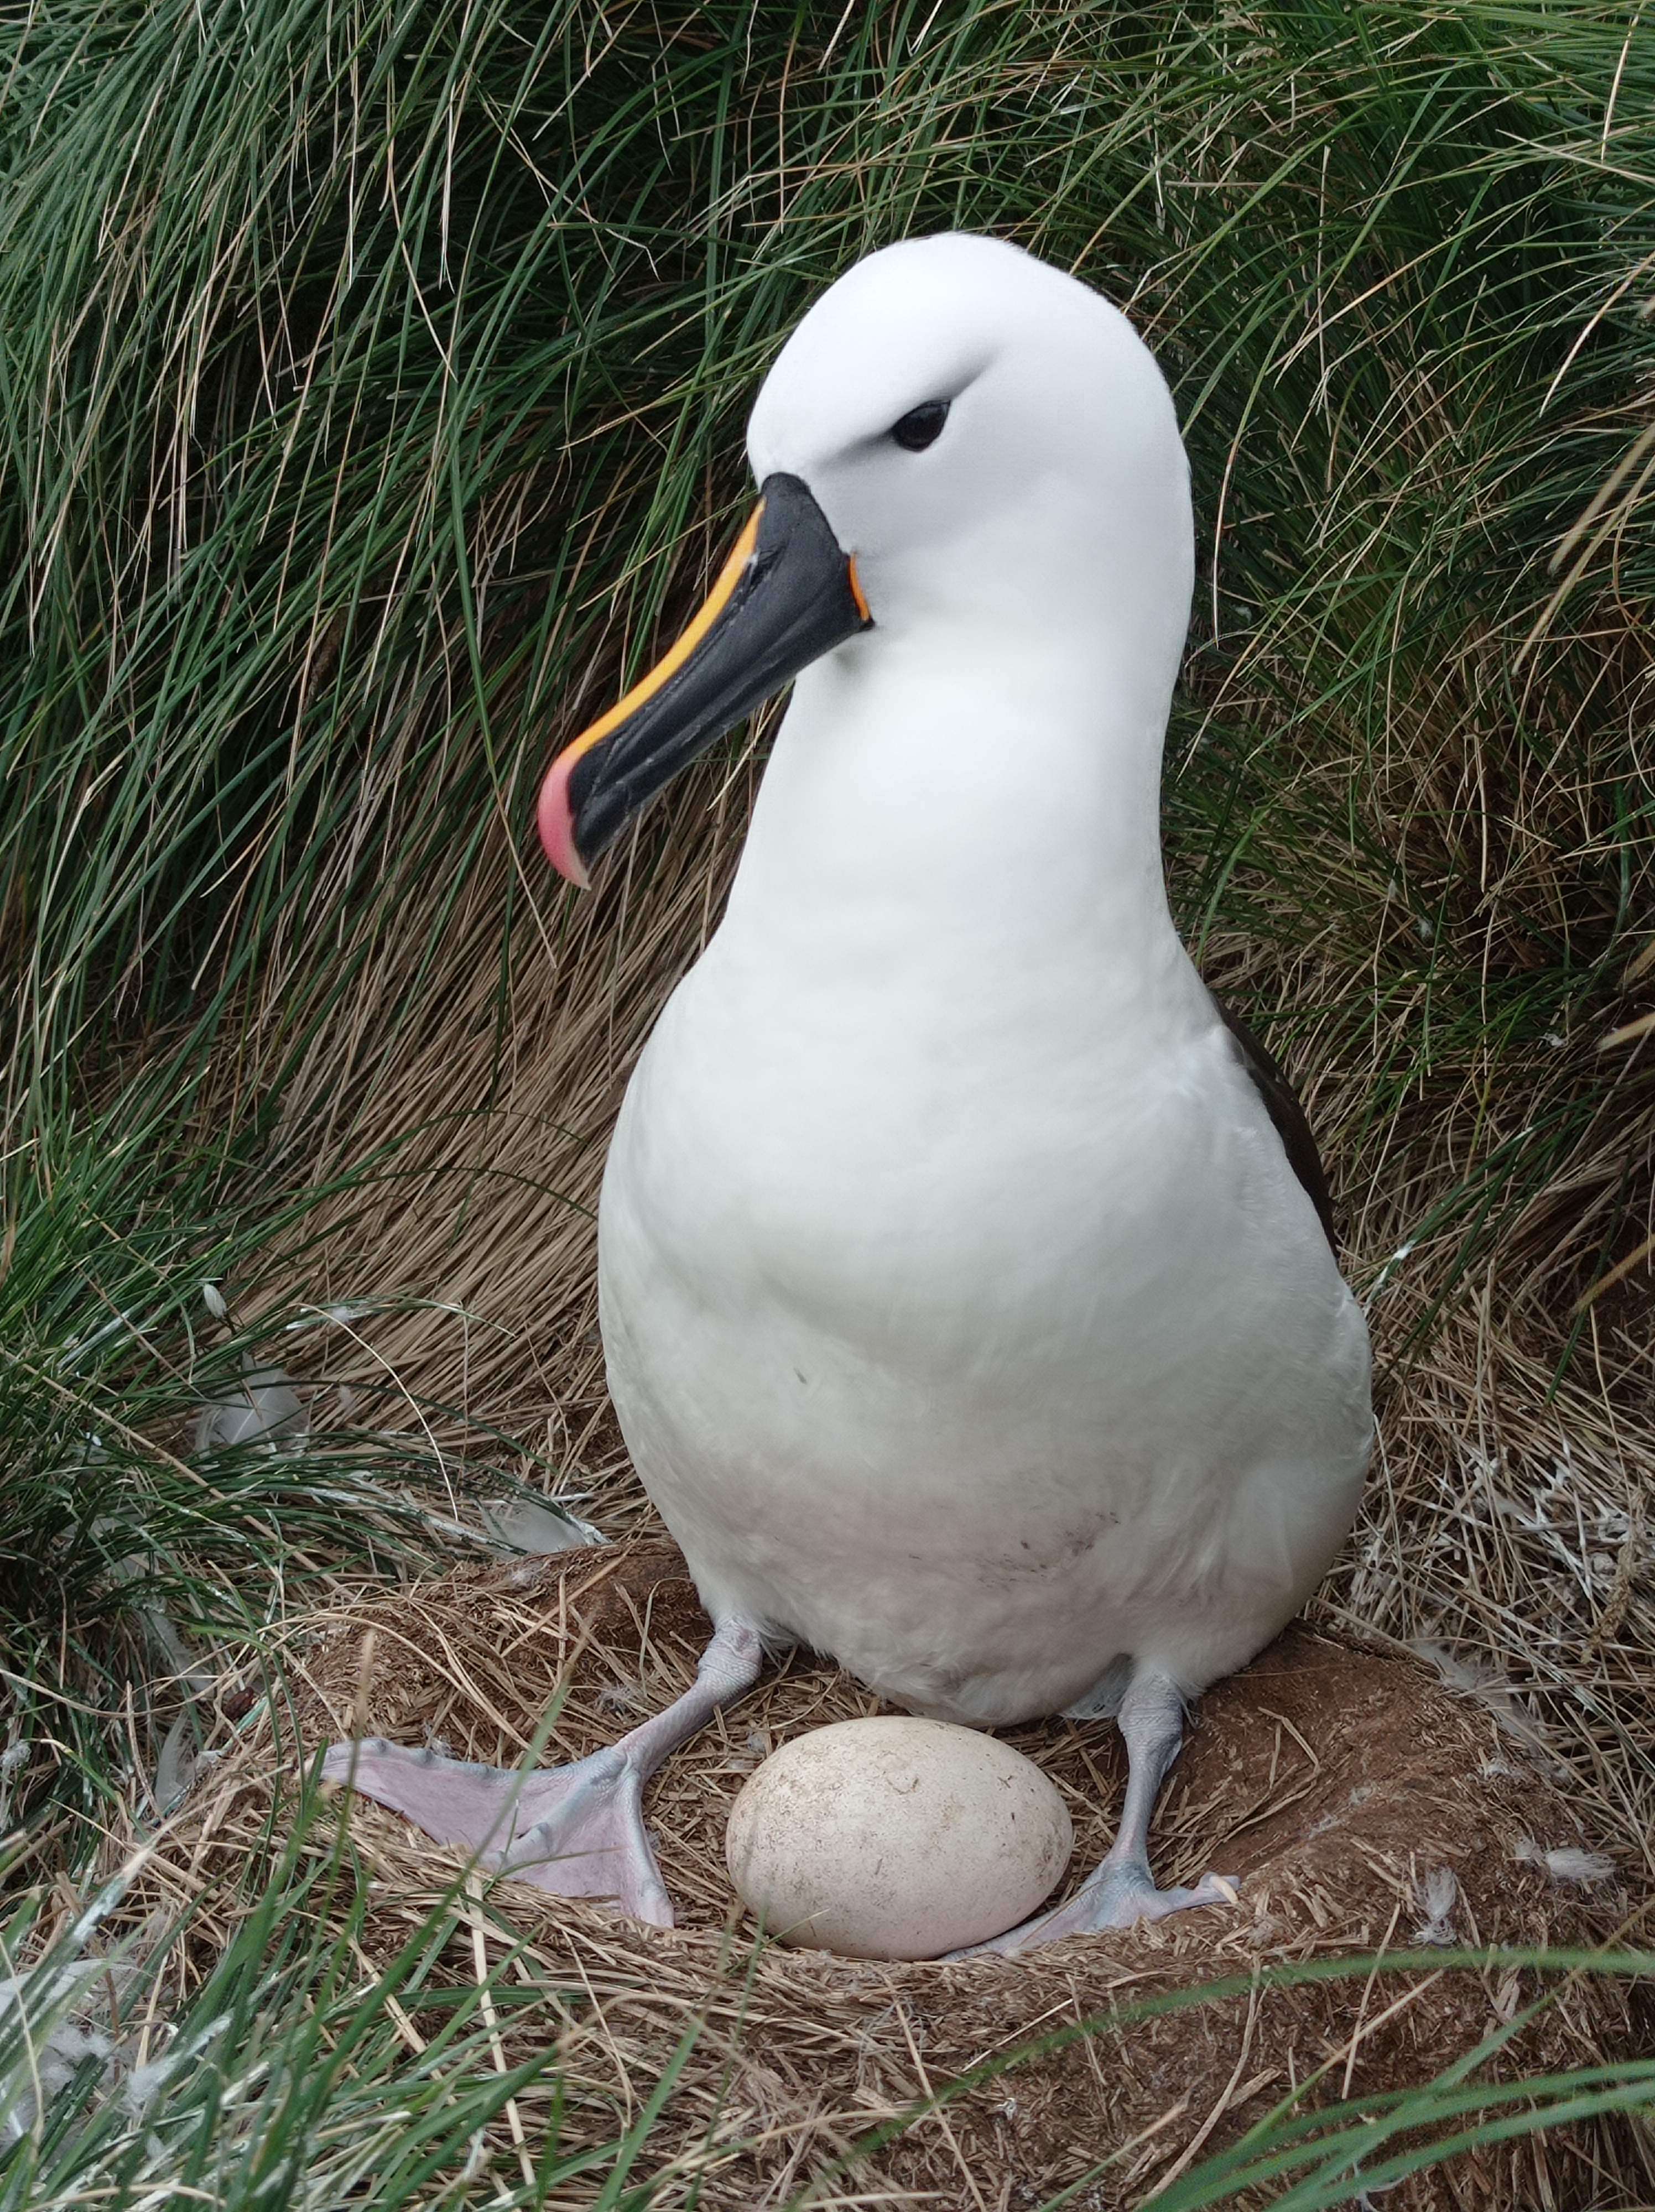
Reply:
x=896, y=1838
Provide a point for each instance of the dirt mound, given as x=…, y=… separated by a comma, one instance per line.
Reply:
x=1362, y=1803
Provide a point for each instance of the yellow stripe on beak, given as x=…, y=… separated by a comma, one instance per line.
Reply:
x=674, y=658
x=787, y=594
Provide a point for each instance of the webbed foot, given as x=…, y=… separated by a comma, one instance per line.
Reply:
x=1122, y=1890
x=576, y=1831
x=1115, y=1897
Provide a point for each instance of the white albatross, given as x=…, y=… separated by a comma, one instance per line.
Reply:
x=967, y=1293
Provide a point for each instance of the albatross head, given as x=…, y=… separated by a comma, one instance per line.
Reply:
x=957, y=442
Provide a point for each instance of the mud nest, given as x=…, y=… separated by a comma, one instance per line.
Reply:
x=1363, y=1803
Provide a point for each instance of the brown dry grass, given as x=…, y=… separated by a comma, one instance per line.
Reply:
x=1337, y=1780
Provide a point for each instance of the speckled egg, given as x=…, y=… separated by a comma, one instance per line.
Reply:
x=896, y=1838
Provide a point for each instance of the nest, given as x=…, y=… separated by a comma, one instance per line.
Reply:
x=1363, y=1803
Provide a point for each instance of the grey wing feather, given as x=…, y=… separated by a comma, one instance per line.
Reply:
x=1284, y=1111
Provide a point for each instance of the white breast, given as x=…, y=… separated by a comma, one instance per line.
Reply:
x=975, y=1367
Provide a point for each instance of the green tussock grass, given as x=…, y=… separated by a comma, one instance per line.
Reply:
x=372, y=379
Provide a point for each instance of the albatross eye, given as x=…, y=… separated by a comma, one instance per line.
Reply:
x=922, y=426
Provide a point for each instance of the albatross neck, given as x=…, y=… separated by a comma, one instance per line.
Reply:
x=981, y=808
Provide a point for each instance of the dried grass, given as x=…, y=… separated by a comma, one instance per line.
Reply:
x=1363, y=1806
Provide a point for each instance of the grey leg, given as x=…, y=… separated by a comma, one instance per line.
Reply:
x=577, y=1831
x=1122, y=1890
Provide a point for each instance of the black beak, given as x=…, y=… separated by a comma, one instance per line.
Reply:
x=787, y=595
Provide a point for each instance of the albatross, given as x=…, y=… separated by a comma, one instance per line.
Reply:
x=966, y=1275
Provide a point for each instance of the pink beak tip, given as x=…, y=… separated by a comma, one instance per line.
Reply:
x=557, y=824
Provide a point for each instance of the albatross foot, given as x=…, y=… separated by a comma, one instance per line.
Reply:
x=1115, y=1897
x=576, y=1831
